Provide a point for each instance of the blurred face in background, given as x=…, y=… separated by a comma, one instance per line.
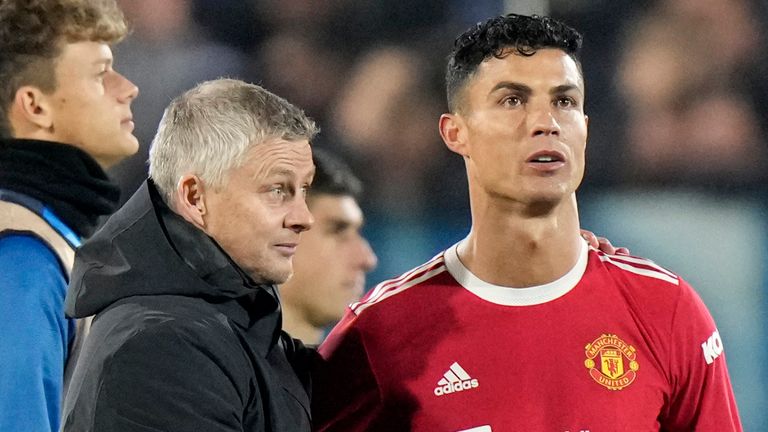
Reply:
x=331, y=263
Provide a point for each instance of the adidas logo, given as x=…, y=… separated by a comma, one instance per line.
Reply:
x=456, y=379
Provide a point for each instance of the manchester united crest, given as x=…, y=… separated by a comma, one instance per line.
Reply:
x=612, y=363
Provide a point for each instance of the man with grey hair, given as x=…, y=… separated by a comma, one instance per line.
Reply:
x=182, y=279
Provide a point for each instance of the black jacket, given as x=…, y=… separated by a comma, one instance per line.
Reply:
x=182, y=339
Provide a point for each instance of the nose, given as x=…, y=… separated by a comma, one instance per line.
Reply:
x=543, y=123
x=299, y=218
x=127, y=91
x=368, y=259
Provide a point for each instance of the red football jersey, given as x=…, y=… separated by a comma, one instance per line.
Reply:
x=617, y=344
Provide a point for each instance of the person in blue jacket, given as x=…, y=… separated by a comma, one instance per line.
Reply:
x=65, y=116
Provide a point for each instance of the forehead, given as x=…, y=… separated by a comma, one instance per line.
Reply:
x=546, y=67
x=85, y=53
x=280, y=157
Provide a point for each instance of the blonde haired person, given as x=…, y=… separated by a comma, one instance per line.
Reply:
x=65, y=115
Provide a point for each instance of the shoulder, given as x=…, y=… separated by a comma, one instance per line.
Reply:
x=26, y=245
x=401, y=287
x=136, y=338
x=26, y=259
x=639, y=269
x=165, y=319
x=648, y=287
x=638, y=278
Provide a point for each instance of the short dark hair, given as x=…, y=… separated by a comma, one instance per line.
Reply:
x=526, y=34
x=333, y=177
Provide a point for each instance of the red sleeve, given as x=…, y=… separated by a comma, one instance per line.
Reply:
x=345, y=390
x=702, y=398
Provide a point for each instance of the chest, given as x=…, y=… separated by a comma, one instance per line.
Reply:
x=586, y=366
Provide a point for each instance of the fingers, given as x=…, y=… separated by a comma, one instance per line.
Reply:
x=603, y=244
x=606, y=246
x=591, y=238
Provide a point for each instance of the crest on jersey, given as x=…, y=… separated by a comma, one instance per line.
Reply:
x=612, y=362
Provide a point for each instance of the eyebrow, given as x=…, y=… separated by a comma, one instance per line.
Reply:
x=287, y=173
x=524, y=89
x=104, y=60
x=508, y=85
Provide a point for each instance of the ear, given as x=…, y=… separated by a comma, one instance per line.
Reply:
x=32, y=107
x=453, y=132
x=586, y=122
x=189, y=200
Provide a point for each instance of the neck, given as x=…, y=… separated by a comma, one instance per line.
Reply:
x=81, y=192
x=519, y=246
x=300, y=328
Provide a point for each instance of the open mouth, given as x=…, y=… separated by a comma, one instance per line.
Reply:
x=546, y=157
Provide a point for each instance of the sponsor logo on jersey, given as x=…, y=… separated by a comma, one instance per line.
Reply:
x=455, y=379
x=612, y=363
x=712, y=347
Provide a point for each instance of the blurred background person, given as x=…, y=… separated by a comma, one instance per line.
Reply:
x=695, y=114
x=330, y=264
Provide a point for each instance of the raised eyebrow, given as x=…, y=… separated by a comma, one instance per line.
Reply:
x=508, y=85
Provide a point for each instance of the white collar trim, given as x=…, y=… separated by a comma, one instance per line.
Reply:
x=509, y=296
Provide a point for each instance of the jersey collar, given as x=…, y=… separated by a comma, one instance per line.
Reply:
x=509, y=296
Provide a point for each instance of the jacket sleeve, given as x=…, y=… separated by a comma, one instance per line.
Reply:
x=702, y=398
x=346, y=394
x=170, y=377
x=35, y=335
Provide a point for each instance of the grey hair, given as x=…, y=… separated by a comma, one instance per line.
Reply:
x=208, y=130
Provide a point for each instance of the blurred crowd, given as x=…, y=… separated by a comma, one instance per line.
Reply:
x=677, y=159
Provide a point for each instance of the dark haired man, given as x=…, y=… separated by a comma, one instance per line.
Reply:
x=65, y=115
x=522, y=326
x=330, y=264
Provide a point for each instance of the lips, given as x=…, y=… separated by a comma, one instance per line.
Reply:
x=546, y=160
x=128, y=122
x=546, y=156
x=287, y=249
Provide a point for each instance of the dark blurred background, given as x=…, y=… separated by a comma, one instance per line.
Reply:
x=677, y=94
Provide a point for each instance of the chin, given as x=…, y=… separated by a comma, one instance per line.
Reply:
x=280, y=277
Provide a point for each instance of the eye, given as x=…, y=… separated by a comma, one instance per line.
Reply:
x=565, y=102
x=512, y=101
x=277, y=191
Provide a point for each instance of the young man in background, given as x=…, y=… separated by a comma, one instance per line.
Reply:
x=333, y=258
x=65, y=116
